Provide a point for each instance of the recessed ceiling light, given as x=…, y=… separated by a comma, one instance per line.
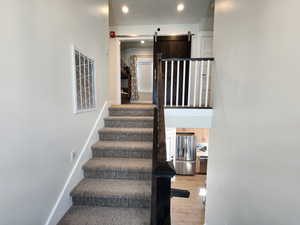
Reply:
x=125, y=9
x=180, y=7
x=142, y=42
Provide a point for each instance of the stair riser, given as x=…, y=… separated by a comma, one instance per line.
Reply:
x=129, y=123
x=118, y=112
x=121, y=202
x=116, y=153
x=107, y=136
x=114, y=174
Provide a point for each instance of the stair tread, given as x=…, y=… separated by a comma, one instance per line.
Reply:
x=133, y=106
x=129, y=118
x=126, y=130
x=132, y=110
x=116, y=189
x=126, y=145
x=85, y=215
x=119, y=164
x=113, y=188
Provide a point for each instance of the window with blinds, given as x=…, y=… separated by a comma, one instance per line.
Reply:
x=84, y=82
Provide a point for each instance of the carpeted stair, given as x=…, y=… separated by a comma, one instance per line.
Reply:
x=116, y=189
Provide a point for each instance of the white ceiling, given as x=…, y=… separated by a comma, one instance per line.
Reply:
x=147, y=12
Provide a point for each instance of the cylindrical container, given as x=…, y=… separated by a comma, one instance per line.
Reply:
x=185, y=154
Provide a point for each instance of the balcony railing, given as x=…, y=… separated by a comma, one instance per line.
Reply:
x=163, y=171
x=187, y=82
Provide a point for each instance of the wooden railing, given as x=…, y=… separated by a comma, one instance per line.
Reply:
x=187, y=82
x=163, y=171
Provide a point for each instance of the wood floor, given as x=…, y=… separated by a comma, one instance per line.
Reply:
x=188, y=211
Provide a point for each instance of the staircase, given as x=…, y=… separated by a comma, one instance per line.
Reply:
x=116, y=189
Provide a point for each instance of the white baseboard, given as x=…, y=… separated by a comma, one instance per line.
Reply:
x=64, y=201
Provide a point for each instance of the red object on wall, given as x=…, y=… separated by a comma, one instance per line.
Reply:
x=112, y=34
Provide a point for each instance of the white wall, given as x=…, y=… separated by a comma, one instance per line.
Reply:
x=201, y=41
x=165, y=29
x=188, y=118
x=253, y=174
x=38, y=127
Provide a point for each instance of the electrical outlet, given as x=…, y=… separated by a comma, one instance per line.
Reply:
x=73, y=156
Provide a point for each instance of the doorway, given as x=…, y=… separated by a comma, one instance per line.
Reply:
x=136, y=71
x=124, y=54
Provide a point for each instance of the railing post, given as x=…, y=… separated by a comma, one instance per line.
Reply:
x=156, y=74
x=166, y=82
x=162, y=171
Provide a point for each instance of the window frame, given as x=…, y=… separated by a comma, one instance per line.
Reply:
x=144, y=60
x=76, y=109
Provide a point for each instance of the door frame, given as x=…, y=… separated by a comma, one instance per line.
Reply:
x=117, y=69
x=145, y=60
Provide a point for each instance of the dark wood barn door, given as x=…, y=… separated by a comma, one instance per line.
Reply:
x=174, y=47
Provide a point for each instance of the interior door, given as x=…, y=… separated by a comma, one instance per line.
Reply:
x=173, y=47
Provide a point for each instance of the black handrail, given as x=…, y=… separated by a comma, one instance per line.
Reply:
x=187, y=59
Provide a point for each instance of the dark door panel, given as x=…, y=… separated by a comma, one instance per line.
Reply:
x=174, y=47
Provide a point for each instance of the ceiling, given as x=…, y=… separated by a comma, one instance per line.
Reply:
x=147, y=12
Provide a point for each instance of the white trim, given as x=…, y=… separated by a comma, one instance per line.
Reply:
x=144, y=61
x=63, y=202
x=73, y=72
x=190, y=112
x=188, y=118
